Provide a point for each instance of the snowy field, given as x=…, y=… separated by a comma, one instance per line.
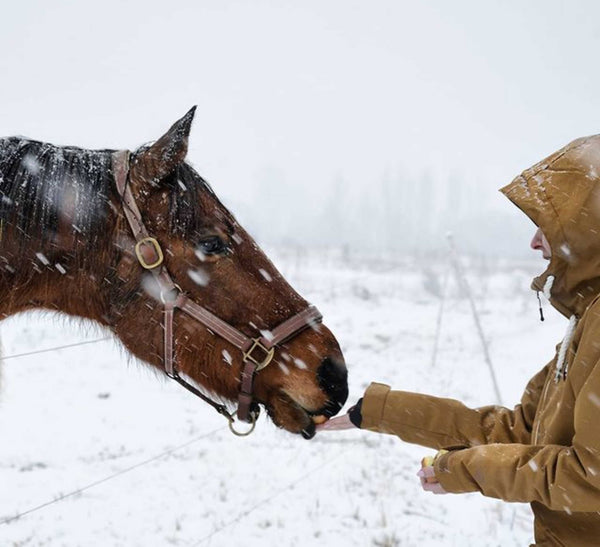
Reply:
x=72, y=417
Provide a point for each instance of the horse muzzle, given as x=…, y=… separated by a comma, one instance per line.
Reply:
x=332, y=376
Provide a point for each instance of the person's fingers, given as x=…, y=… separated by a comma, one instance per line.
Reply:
x=433, y=487
x=336, y=424
x=427, y=472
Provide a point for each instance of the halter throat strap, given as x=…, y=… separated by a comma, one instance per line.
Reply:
x=257, y=352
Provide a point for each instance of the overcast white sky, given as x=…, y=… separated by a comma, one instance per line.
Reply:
x=309, y=90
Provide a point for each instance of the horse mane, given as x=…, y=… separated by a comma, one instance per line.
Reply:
x=40, y=181
x=42, y=184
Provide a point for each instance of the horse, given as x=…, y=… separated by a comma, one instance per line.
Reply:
x=139, y=243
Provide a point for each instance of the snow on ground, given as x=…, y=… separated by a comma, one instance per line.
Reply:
x=72, y=417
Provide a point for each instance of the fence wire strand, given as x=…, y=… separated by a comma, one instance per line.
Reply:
x=287, y=487
x=56, y=348
x=108, y=478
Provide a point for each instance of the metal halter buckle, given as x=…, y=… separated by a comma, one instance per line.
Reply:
x=138, y=252
x=268, y=354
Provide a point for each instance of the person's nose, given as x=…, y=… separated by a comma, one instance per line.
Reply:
x=536, y=241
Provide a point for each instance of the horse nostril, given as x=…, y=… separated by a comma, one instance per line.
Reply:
x=333, y=380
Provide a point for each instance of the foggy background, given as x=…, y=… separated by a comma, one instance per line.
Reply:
x=369, y=126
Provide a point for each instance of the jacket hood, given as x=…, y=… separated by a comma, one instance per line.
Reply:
x=561, y=195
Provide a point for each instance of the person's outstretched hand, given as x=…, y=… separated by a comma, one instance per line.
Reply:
x=351, y=420
x=337, y=423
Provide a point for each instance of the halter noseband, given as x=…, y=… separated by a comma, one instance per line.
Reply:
x=257, y=352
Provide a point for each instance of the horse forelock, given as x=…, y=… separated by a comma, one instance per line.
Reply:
x=193, y=204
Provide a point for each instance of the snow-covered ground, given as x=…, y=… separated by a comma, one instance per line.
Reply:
x=72, y=417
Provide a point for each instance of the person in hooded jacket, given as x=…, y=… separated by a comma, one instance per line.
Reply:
x=545, y=451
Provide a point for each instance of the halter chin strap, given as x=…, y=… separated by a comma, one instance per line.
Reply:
x=257, y=352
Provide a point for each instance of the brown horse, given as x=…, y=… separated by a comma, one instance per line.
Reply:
x=67, y=244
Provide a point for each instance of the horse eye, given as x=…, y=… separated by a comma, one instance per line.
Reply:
x=213, y=245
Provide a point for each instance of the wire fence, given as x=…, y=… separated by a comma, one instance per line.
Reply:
x=56, y=348
x=77, y=491
x=108, y=478
x=266, y=500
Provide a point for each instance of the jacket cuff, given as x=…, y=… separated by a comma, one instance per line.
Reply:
x=448, y=474
x=373, y=405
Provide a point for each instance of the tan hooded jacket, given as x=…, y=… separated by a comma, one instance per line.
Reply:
x=546, y=450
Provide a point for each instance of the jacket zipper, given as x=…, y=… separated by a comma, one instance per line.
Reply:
x=536, y=432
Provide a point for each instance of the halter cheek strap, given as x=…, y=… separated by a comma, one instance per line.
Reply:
x=257, y=352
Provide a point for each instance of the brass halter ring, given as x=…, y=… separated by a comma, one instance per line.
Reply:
x=242, y=433
x=163, y=291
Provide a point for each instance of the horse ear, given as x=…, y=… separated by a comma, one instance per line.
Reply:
x=169, y=151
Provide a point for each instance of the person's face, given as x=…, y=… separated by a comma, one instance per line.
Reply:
x=540, y=243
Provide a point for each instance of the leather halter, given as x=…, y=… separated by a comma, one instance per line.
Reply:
x=257, y=352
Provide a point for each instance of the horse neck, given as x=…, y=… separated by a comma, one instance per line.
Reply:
x=67, y=274
x=55, y=281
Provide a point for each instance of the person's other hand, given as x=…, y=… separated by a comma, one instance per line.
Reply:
x=428, y=481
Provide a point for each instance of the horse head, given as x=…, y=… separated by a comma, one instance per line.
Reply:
x=217, y=265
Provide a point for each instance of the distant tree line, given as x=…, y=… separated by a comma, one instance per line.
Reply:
x=394, y=213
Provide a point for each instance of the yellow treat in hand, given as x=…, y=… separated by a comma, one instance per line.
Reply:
x=428, y=461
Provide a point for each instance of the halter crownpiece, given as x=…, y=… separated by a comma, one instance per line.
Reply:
x=257, y=352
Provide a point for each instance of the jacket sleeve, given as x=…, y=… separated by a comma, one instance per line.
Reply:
x=446, y=423
x=563, y=478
